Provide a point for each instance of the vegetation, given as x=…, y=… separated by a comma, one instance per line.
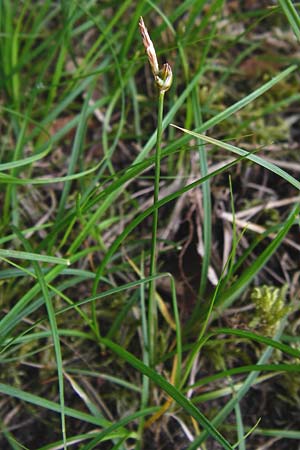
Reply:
x=149, y=246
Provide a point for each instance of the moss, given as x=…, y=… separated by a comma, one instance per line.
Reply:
x=270, y=308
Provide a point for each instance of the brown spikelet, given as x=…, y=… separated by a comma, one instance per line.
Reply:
x=149, y=47
x=163, y=77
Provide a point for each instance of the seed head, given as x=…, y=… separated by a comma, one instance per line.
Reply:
x=163, y=77
x=149, y=47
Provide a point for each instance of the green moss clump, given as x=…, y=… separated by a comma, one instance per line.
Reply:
x=270, y=308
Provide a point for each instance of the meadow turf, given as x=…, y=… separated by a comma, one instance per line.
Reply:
x=149, y=245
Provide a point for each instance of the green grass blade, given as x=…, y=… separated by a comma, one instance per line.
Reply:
x=55, y=335
x=121, y=423
x=179, y=398
x=230, y=294
x=42, y=402
x=29, y=256
x=24, y=161
x=77, y=146
x=149, y=211
x=244, y=370
x=292, y=16
x=8, y=179
x=250, y=380
x=262, y=339
x=219, y=117
x=238, y=151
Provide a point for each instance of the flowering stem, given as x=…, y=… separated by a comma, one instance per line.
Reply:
x=152, y=312
x=163, y=79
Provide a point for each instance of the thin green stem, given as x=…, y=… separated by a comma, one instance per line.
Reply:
x=152, y=312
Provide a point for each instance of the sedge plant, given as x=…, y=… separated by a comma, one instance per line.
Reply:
x=163, y=79
x=48, y=141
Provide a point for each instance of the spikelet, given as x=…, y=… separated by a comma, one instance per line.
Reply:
x=163, y=77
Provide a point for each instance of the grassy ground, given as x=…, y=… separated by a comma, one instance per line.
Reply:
x=90, y=358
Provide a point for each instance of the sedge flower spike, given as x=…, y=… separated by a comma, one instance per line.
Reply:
x=163, y=77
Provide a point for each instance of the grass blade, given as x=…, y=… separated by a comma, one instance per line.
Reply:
x=29, y=256
x=179, y=398
x=292, y=16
